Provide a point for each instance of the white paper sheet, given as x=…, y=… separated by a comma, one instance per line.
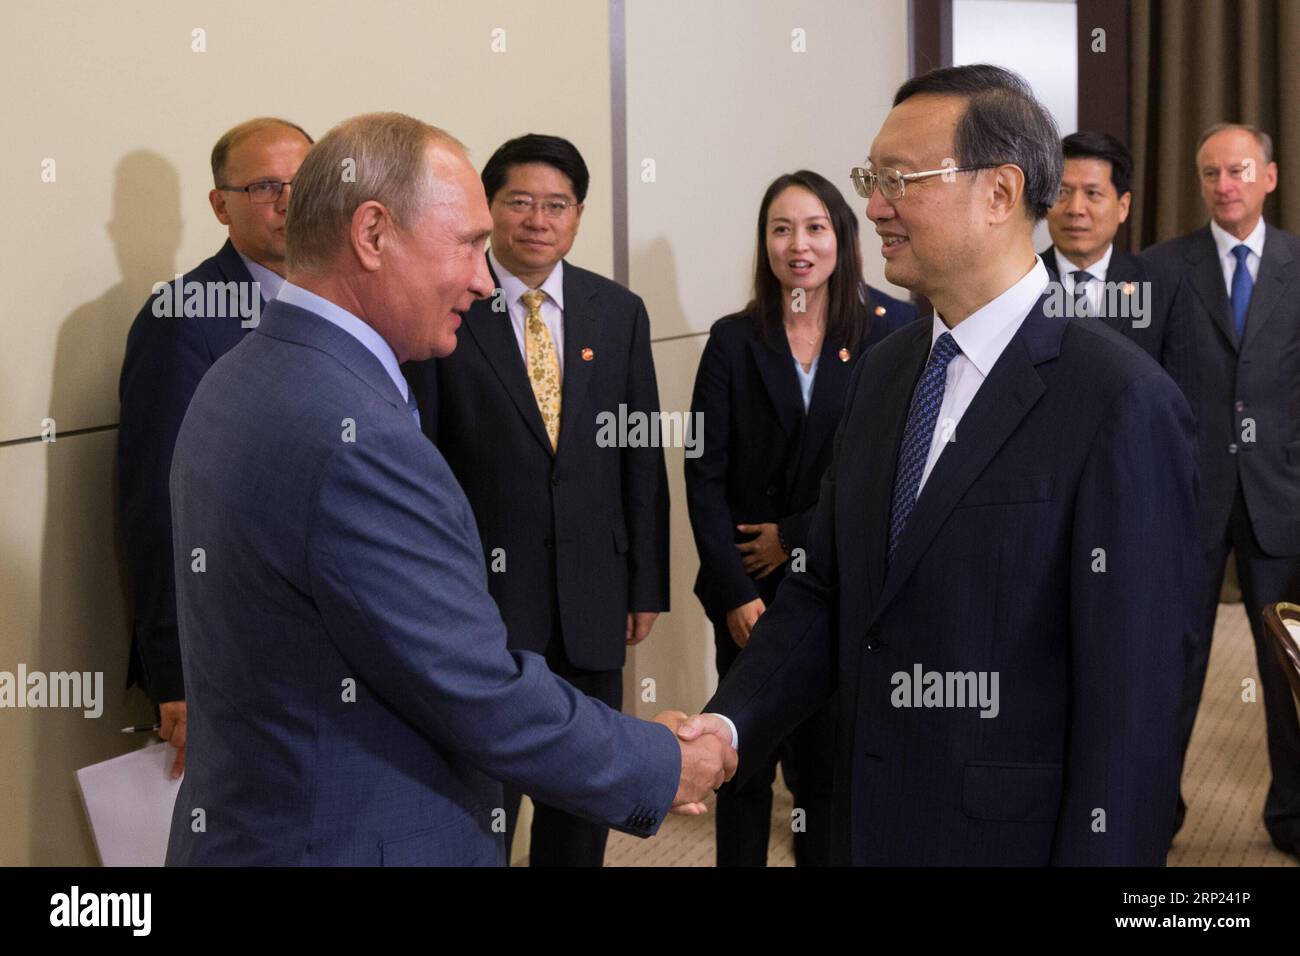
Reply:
x=129, y=801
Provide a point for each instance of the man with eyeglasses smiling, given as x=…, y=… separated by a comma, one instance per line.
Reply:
x=574, y=532
x=1010, y=501
x=174, y=340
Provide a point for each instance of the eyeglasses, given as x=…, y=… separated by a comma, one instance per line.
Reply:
x=553, y=208
x=265, y=191
x=893, y=184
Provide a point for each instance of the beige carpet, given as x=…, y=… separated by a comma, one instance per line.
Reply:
x=1224, y=781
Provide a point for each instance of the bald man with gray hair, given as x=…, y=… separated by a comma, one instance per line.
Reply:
x=351, y=697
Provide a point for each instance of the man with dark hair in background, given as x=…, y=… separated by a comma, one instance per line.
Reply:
x=172, y=343
x=575, y=534
x=1098, y=279
x=996, y=565
x=1237, y=282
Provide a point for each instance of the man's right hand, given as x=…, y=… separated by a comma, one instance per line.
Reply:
x=741, y=620
x=707, y=763
x=171, y=728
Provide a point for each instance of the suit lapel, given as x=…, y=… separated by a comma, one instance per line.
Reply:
x=827, y=401
x=581, y=332
x=1012, y=388
x=775, y=364
x=495, y=336
x=1274, y=269
x=1205, y=274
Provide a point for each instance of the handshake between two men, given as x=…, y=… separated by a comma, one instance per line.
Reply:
x=708, y=758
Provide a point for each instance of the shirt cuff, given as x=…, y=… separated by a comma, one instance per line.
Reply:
x=735, y=735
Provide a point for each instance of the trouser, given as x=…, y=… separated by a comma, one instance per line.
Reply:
x=807, y=758
x=1264, y=580
x=559, y=838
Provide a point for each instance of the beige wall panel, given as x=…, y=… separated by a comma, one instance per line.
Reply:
x=128, y=111
x=721, y=103
x=678, y=654
x=61, y=609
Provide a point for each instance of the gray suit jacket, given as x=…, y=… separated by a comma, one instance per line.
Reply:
x=1246, y=394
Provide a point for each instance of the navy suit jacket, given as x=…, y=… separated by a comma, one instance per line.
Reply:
x=583, y=528
x=1052, y=545
x=164, y=362
x=351, y=698
x=1163, y=338
x=763, y=455
x=1245, y=393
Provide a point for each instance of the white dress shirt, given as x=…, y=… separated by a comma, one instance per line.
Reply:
x=345, y=320
x=552, y=306
x=982, y=338
x=1225, y=242
x=1096, y=285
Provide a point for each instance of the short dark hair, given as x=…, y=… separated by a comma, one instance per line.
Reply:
x=1003, y=123
x=1089, y=144
x=554, y=151
x=848, y=293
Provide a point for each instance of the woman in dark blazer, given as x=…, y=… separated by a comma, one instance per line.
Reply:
x=771, y=387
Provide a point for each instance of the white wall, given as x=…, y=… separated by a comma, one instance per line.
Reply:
x=1037, y=39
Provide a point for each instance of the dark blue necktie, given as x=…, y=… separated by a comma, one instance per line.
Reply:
x=1242, y=286
x=1081, y=280
x=918, y=435
x=412, y=407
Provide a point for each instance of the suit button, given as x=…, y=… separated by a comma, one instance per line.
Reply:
x=873, y=646
x=1232, y=449
x=1240, y=406
x=555, y=480
x=771, y=491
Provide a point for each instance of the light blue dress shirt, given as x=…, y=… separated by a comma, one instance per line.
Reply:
x=268, y=283
x=806, y=379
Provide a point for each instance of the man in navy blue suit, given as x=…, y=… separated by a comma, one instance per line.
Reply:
x=998, y=567
x=351, y=697
x=185, y=326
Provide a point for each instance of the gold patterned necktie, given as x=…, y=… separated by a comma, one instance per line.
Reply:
x=543, y=364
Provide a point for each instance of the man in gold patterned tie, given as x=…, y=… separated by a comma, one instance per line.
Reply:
x=574, y=527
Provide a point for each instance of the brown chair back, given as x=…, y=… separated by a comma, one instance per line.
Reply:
x=1284, y=643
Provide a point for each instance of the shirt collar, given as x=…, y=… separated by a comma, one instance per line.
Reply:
x=1225, y=241
x=267, y=281
x=513, y=287
x=1064, y=267
x=986, y=331
x=345, y=320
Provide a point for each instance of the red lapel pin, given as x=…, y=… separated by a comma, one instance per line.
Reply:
x=844, y=355
x=588, y=355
